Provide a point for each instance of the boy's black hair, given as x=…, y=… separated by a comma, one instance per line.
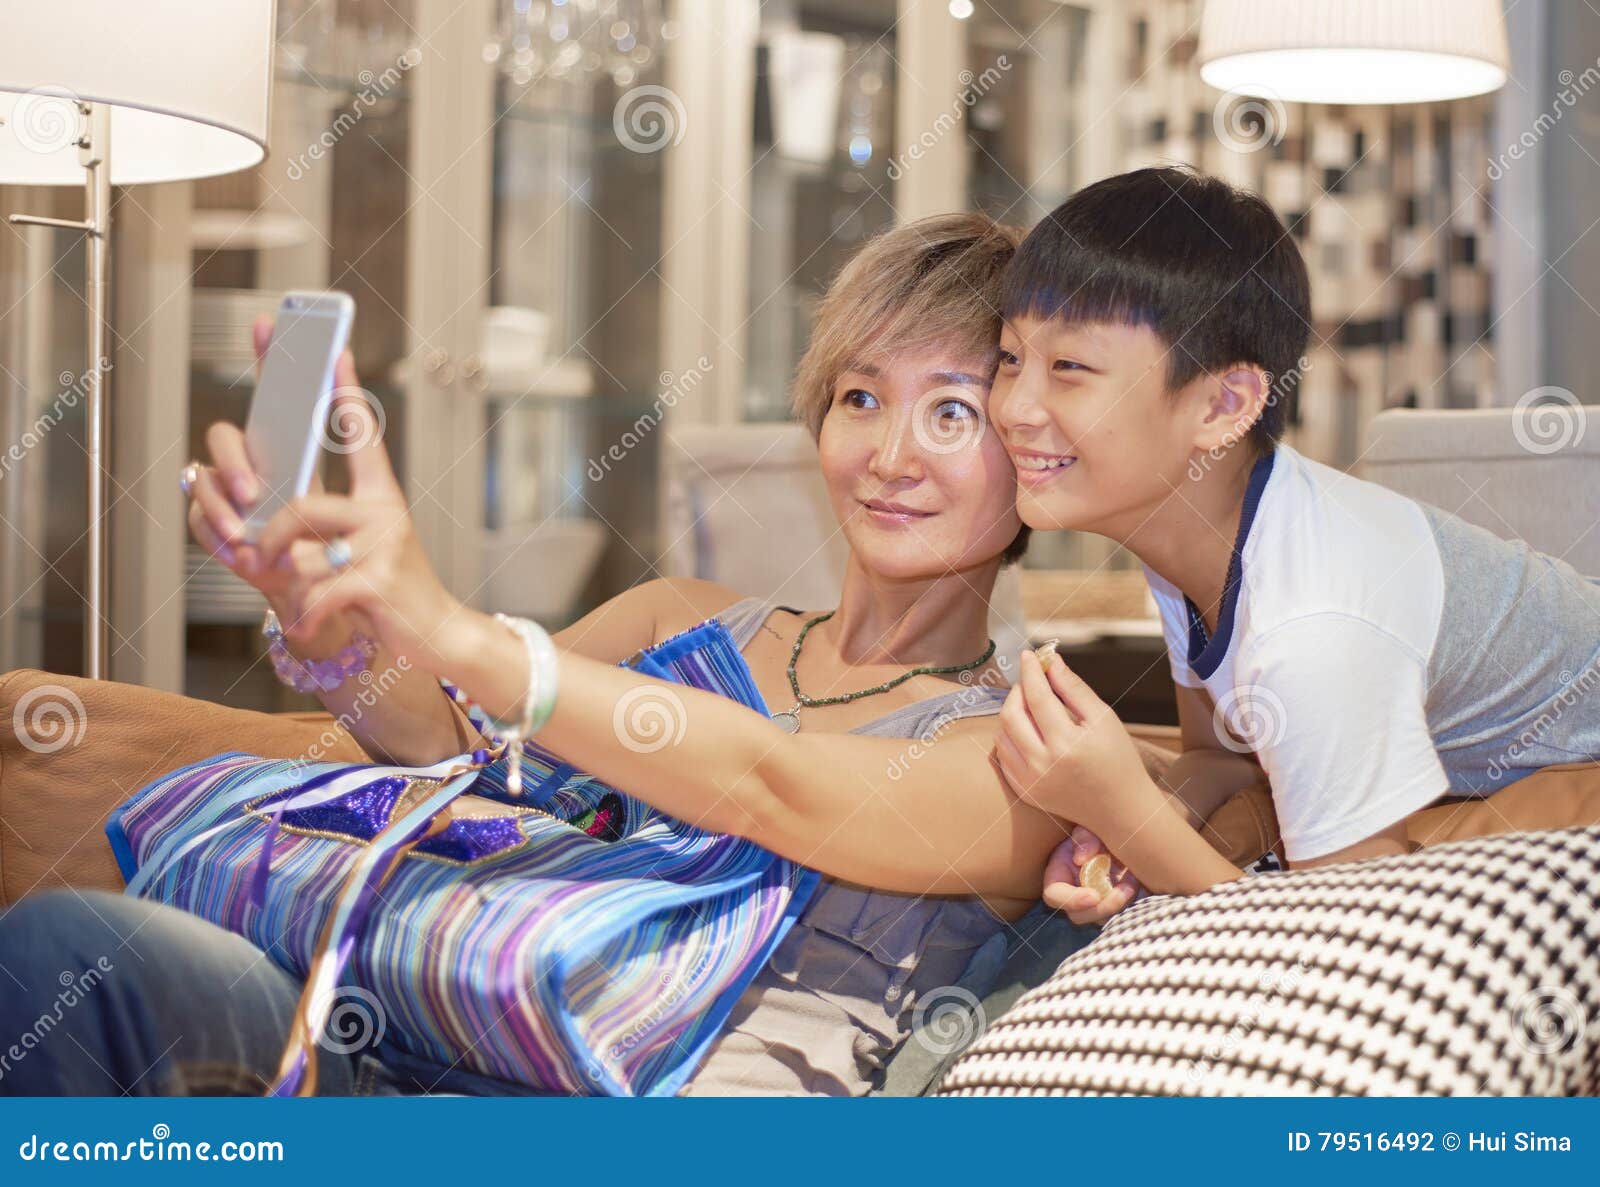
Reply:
x=1208, y=267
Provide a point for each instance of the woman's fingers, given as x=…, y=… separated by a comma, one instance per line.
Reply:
x=318, y=599
x=207, y=538
x=305, y=560
x=319, y=517
x=226, y=445
x=216, y=508
x=261, y=338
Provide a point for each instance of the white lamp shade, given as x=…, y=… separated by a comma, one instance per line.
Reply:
x=1354, y=51
x=189, y=81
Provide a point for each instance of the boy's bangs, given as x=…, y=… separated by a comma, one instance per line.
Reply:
x=1077, y=286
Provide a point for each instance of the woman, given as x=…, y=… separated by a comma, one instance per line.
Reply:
x=926, y=499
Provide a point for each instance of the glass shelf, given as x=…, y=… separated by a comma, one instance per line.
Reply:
x=341, y=91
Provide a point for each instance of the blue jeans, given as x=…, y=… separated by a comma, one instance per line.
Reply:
x=105, y=995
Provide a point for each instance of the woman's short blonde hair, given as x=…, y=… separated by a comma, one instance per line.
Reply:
x=934, y=282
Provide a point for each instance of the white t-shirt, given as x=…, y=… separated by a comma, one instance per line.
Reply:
x=1376, y=653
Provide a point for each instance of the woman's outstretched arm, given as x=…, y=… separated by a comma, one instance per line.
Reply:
x=934, y=817
x=894, y=814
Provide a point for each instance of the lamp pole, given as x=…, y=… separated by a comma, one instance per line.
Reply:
x=94, y=154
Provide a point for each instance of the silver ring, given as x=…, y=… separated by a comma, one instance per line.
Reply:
x=187, y=477
x=338, y=552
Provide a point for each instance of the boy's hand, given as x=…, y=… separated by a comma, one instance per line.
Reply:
x=1064, y=751
x=1086, y=882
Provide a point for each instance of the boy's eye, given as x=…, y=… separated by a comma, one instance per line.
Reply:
x=857, y=398
x=1069, y=365
x=1007, y=359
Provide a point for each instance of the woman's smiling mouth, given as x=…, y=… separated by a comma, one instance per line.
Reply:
x=885, y=512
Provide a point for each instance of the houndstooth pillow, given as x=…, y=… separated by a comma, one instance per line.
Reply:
x=1466, y=968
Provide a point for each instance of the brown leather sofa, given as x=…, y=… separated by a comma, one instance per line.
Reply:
x=73, y=749
x=76, y=748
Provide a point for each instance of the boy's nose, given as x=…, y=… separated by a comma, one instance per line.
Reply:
x=1015, y=410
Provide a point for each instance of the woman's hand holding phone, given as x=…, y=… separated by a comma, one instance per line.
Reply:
x=389, y=588
x=229, y=485
x=387, y=583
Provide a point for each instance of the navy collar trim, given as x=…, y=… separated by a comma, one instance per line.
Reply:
x=1205, y=653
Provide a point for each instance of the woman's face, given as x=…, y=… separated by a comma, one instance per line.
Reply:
x=919, y=481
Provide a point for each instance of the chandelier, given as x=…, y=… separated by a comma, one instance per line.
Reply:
x=577, y=39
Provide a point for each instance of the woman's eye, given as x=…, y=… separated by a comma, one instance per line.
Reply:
x=955, y=410
x=857, y=398
x=1007, y=359
x=1068, y=365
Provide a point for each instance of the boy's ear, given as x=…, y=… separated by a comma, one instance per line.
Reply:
x=1235, y=400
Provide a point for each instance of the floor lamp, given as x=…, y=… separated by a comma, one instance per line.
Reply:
x=180, y=90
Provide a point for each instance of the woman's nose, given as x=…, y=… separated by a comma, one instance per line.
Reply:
x=897, y=454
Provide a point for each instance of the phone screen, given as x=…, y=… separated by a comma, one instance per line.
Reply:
x=289, y=410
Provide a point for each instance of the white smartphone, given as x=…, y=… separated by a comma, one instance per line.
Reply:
x=289, y=410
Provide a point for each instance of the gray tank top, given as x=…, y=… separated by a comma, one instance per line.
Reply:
x=840, y=992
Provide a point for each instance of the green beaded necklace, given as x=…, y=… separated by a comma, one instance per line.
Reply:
x=789, y=720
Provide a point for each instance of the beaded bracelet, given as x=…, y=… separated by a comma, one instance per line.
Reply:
x=316, y=675
x=537, y=703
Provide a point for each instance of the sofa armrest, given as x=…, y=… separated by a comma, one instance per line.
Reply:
x=73, y=749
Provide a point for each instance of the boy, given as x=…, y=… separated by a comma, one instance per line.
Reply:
x=1371, y=652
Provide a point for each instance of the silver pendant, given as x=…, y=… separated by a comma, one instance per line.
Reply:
x=788, y=722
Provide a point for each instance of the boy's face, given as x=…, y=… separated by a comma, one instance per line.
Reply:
x=1084, y=414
